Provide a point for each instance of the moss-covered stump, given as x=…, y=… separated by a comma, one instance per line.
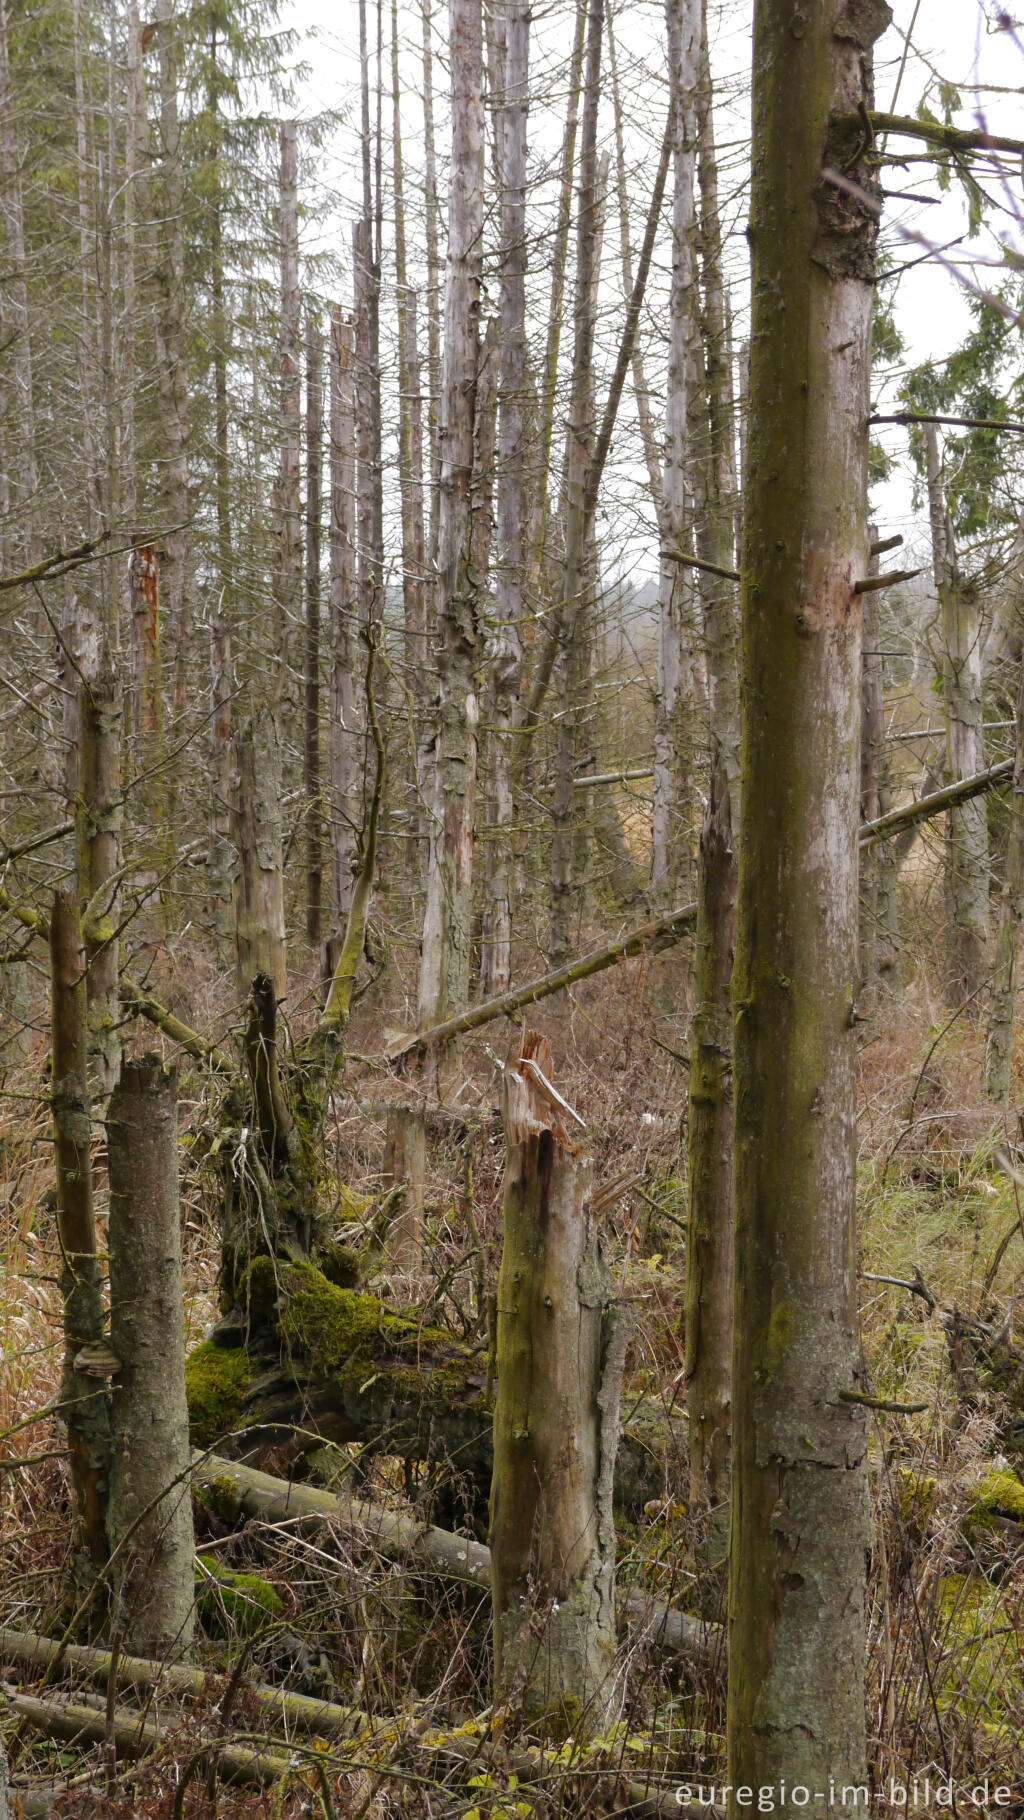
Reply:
x=337, y=1364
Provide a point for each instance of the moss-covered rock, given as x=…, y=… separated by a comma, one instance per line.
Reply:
x=234, y=1602
x=216, y=1385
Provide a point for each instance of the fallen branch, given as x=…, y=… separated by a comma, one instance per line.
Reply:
x=145, y=1005
x=238, y=1490
x=950, y=797
x=650, y=937
x=320, y=1717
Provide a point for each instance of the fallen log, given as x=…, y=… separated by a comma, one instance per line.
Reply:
x=133, y=1736
x=950, y=797
x=141, y=1673
x=234, y=1491
x=325, y=1360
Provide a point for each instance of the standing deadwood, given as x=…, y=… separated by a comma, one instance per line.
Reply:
x=345, y=735
x=560, y=1351
x=708, y=1316
x=222, y=856
x=872, y=758
x=314, y=471
x=410, y=479
x=150, y=1495
x=147, y=718
x=172, y=360
x=579, y=444
x=505, y=655
x=444, y=955
x=259, y=883
x=18, y=336
x=369, y=579
x=1005, y=973
x=87, y=1358
x=670, y=860
x=405, y=1166
x=430, y=211
x=288, y=560
x=967, y=825
x=800, y=1507
x=98, y=814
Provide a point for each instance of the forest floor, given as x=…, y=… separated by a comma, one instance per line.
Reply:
x=941, y=1179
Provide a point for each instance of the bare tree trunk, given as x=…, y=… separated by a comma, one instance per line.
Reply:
x=85, y=1405
x=287, y=507
x=222, y=856
x=149, y=799
x=709, y=1234
x=444, y=956
x=366, y=266
x=967, y=826
x=872, y=758
x=579, y=445
x=410, y=476
x=345, y=719
x=150, y=1494
x=800, y=1505
x=314, y=470
x=506, y=646
x=671, y=863
x=433, y=286
x=1005, y=972
x=18, y=337
x=560, y=1351
x=259, y=885
x=405, y=1166
x=172, y=360
x=98, y=814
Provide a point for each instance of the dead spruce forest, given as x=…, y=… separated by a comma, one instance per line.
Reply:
x=512, y=742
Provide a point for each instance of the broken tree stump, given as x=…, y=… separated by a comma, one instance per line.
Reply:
x=560, y=1348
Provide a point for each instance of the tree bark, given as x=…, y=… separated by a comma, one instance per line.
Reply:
x=967, y=823
x=444, y=954
x=287, y=508
x=345, y=736
x=405, y=1166
x=560, y=1351
x=311, y=776
x=1005, y=972
x=800, y=1509
x=99, y=814
x=149, y=1492
x=87, y=1359
x=222, y=855
x=259, y=885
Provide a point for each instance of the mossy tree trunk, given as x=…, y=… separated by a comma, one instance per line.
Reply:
x=345, y=721
x=560, y=1351
x=150, y=1495
x=1006, y=970
x=84, y=1399
x=800, y=1510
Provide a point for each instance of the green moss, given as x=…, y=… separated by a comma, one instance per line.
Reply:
x=239, y=1602
x=1000, y=1494
x=979, y=1663
x=341, y=1265
x=222, y=1497
x=355, y=1339
x=216, y=1385
x=915, y=1498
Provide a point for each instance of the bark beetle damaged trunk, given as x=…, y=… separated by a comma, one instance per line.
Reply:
x=560, y=1349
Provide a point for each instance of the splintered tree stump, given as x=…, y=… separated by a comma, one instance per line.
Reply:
x=405, y=1166
x=149, y=1499
x=560, y=1347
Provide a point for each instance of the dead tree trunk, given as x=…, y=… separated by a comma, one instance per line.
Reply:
x=405, y=1167
x=314, y=470
x=967, y=824
x=560, y=1349
x=150, y=1495
x=259, y=885
x=288, y=560
x=444, y=956
x=222, y=857
x=345, y=734
x=87, y=1357
x=149, y=800
x=98, y=811
x=506, y=645
x=1006, y=970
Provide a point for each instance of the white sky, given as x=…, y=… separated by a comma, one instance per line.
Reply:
x=959, y=41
